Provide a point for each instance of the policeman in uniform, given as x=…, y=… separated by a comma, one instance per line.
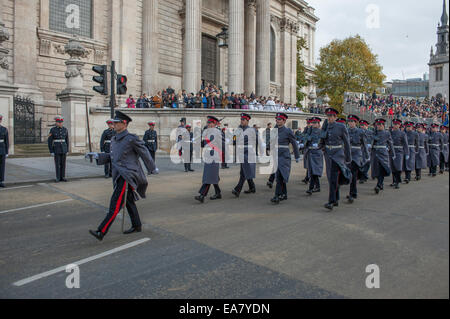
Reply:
x=151, y=141
x=130, y=181
x=436, y=144
x=105, y=145
x=4, y=148
x=314, y=153
x=421, y=157
x=360, y=154
x=211, y=142
x=401, y=149
x=364, y=125
x=337, y=155
x=413, y=144
x=444, y=151
x=246, y=138
x=382, y=151
x=58, y=145
x=188, y=144
x=283, y=157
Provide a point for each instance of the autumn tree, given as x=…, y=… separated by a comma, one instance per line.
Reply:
x=348, y=66
x=301, y=72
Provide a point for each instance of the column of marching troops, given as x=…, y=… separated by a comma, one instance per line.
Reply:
x=346, y=145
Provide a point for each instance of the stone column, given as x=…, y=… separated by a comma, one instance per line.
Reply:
x=294, y=39
x=192, y=46
x=262, y=47
x=236, y=46
x=150, y=56
x=250, y=47
x=74, y=98
x=286, y=62
x=7, y=90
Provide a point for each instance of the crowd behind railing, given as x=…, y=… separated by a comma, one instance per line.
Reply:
x=210, y=97
x=372, y=106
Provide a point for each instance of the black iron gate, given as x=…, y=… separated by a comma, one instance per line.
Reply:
x=27, y=130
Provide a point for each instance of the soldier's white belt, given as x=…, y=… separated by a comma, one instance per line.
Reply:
x=283, y=146
x=314, y=148
x=2, y=141
x=398, y=147
x=435, y=145
x=422, y=147
x=107, y=142
x=380, y=147
x=356, y=147
x=151, y=141
x=334, y=147
x=59, y=141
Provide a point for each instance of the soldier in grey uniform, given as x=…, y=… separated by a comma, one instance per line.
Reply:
x=337, y=156
x=105, y=145
x=130, y=181
x=360, y=154
x=211, y=141
x=413, y=144
x=306, y=132
x=4, y=148
x=436, y=144
x=246, y=151
x=401, y=152
x=283, y=157
x=382, y=151
x=364, y=125
x=58, y=145
x=314, y=153
x=421, y=157
x=444, y=151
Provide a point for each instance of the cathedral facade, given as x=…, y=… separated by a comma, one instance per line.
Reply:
x=159, y=43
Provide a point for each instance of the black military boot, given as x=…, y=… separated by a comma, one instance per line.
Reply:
x=236, y=193
x=250, y=191
x=97, y=234
x=316, y=190
x=396, y=186
x=270, y=185
x=216, y=196
x=133, y=230
x=309, y=192
x=200, y=198
x=350, y=199
x=283, y=197
x=275, y=200
x=329, y=206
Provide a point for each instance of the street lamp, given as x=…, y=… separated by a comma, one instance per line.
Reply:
x=223, y=38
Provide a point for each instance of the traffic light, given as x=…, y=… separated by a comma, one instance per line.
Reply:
x=121, y=84
x=102, y=79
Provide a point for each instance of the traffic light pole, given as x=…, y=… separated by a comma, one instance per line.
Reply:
x=112, y=100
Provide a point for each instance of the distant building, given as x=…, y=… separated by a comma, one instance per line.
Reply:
x=439, y=60
x=416, y=87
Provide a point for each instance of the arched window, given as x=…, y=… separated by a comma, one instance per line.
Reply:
x=273, y=54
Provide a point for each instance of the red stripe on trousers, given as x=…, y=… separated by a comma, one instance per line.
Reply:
x=118, y=207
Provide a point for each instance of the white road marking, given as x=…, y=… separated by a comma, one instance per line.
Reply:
x=35, y=206
x=78, y=263
x=18, y=187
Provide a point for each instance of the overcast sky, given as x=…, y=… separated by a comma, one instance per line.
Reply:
x=407, y=30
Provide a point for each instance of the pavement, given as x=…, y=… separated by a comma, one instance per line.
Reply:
x=232, y=248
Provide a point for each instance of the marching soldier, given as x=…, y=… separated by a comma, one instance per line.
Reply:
x=188, y=144
x=360, y=154
x=151, y=142
x=246, y=151
x=337, y=156
x=364, y=125
x=444, y=151
x=211, y=168
x=105, y=145
x=401, y=150
x=421, y=157
x=382, y=151
x=283, y=160
x=413, y=144
x=129, y=179
x=58, y=145
x=4, y=148
x=436, y=144
x=314, y=153
x=306, y=132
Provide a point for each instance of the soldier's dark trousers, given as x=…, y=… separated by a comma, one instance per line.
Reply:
x=153, y=154
x=335, y=171
x=187, y=166
x=433, y=169
x=355, y=172
x=408, y=175
x=442, y=163
x=380, y=178
x=418, y=172
x=314, y=183
x=2, y=168
x=240, y=185
x=108, y=169
x=281, y=188
x=365, y=172
x=397, y=177
x=117, y=201
x=204, y=190
x=272, y=178
x=60, y=166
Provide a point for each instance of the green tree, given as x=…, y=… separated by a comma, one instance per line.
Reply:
x=348, y=66
x=301, y=72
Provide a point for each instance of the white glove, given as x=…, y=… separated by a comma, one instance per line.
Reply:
x=369, y=145
x=407, y=157
x=7, y=155
x=315, y=145
x=52, y=154
x=302, y=145
x=93, y=155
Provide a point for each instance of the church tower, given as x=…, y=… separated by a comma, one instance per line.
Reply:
x=439, y=60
